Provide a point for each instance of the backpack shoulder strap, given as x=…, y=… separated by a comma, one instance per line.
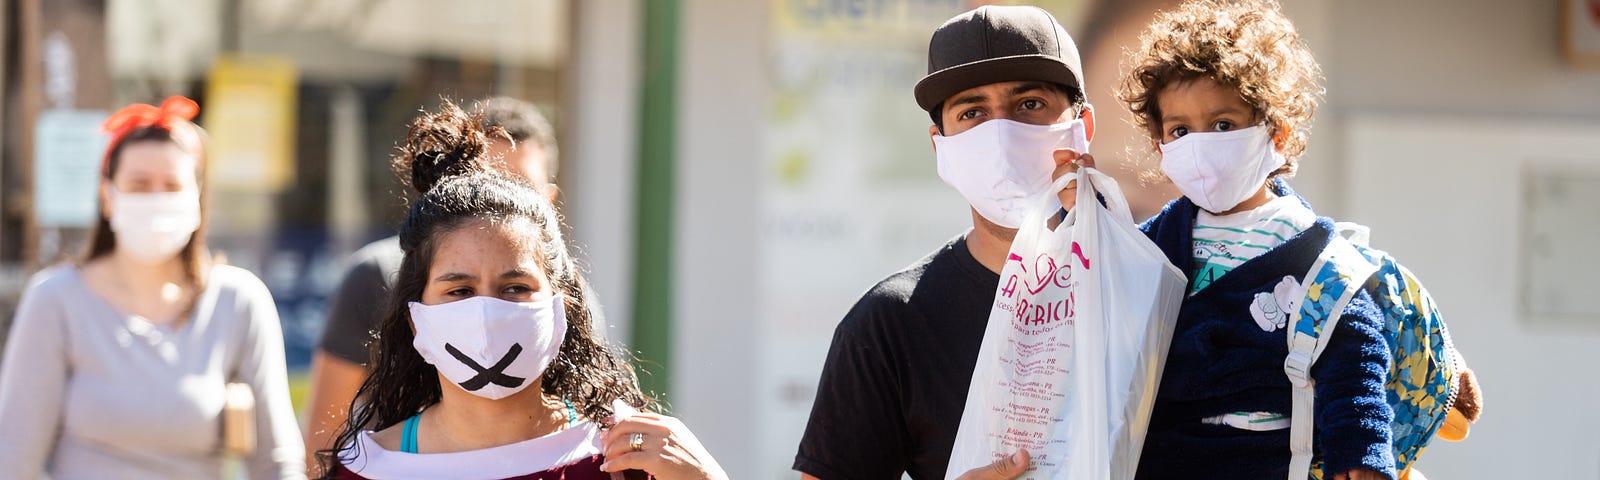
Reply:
x=1333, y=280
x=1358, y=234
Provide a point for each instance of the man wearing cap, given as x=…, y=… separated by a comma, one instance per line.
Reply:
x=1004, y=91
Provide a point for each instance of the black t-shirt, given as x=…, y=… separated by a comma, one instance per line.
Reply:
x=896, y=377
x=358, y=306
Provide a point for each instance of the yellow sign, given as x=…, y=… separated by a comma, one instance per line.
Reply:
x=249, y=115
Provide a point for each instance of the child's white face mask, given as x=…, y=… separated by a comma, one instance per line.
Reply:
x=153, y=227
x=490, y=347
x=1218, y=170
x=1000, y=164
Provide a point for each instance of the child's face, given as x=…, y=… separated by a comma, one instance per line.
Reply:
x=1201, y=105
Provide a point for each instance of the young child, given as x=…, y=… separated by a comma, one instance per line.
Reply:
x=1226, y=91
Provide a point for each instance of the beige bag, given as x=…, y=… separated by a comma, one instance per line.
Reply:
x=239, y=420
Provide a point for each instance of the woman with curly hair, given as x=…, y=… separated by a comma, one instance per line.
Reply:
x=487, y=364
x=1225, y=91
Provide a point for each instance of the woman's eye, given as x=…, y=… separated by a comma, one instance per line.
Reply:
x=1222, y=126
x=518, y=289
x=460, y=292
x=1179, y=131
x=1032, y=104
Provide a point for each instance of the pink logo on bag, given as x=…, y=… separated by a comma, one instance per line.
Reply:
x=1046, y=272
x=1078, y=250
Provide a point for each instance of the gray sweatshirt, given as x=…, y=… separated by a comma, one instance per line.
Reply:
x=87, y=391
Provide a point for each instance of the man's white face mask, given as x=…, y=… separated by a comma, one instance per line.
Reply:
x=1000, y=164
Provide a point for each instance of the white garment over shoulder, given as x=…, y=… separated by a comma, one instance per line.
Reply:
x=87, y=391
x=557, y=449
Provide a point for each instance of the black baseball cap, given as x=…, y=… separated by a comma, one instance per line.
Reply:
x=997, y=43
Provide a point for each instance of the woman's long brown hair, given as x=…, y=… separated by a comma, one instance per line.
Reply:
x=442, y=162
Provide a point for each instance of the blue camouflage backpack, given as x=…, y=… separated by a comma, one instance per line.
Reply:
x=1421, y=384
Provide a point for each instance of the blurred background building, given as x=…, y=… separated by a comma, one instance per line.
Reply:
x=737, y=172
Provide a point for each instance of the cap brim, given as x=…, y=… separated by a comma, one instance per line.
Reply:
x=938, y=86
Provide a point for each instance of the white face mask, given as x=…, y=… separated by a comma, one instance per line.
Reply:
x=490, y=347
x=1218, y=170
x=1000, y=164
x=153, y=227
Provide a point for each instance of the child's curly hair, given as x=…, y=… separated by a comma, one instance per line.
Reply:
x=1247, y=44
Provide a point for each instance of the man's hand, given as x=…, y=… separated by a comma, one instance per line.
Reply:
x=1067, y=161
x=1003, y=469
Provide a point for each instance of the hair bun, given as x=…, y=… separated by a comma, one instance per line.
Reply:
x=438, y=146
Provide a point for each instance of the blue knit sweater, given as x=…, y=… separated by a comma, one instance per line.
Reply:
x=1222, y=362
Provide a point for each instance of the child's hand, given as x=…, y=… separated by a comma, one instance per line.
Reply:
x=1360, y=474
x=1067, y=161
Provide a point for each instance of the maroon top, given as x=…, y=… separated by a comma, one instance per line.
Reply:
x=584, y=469
x=571, y=454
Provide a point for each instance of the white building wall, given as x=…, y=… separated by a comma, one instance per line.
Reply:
x=1450, y=204
x=1436, y=109
x=600, y=149
x=721, y=113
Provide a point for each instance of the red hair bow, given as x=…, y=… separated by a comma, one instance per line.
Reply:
x=173, y=115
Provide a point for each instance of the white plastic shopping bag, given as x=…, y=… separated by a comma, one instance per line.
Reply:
x=1075, y=343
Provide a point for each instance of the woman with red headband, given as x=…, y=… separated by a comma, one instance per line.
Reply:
x=145, y=359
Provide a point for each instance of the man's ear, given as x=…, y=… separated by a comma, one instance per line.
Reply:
x=933, y=131
x=1088, y=121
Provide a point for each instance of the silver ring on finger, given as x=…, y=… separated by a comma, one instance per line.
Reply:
x=636, y=442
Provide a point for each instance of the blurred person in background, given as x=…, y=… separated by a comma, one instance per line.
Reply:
x=489, y=302
x=528, y=150
x=121, y=365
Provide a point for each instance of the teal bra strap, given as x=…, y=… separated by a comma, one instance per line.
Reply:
x=572, y=413
x=408, y=434
x=408, y=431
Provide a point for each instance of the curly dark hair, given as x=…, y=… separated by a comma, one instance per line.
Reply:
x=441, y=160
x=1245, y=44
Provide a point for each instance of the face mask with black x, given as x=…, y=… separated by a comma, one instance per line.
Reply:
x=490, y=347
